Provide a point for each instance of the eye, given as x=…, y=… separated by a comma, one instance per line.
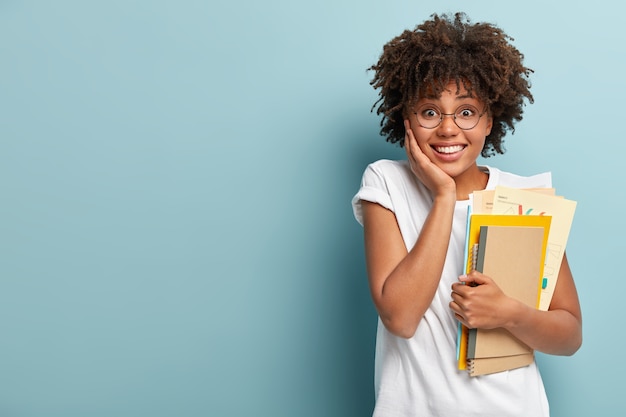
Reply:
x=429, y=113
x=466, y=112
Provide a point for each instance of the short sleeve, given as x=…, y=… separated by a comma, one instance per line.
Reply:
x=374, y=188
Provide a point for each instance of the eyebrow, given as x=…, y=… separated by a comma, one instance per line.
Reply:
x=459, y=97
x=437, y=103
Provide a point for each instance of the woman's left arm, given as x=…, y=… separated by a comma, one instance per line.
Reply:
x=557, y=331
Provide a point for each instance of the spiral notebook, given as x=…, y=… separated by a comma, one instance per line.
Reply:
x=513, y=257
x=512, y=252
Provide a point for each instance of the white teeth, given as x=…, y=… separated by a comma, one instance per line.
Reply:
x=449, y=149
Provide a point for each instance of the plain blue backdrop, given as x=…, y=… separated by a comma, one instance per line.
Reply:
x=176, y=235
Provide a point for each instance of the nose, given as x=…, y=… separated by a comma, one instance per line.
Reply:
x=448, y=124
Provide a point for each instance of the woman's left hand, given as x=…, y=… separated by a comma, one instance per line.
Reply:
x=478, y=302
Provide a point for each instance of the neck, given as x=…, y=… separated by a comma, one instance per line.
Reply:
x=470, y=181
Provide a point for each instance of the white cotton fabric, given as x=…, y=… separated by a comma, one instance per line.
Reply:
x=419, y=376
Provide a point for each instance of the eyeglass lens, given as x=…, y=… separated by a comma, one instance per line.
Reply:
x=465, y=117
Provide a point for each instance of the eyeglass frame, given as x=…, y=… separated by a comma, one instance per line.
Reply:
x=442, y=115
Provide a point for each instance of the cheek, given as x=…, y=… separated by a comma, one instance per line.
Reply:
x=479, y=141
x=479, y=145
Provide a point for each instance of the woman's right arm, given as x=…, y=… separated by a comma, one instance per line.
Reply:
x=402, y=283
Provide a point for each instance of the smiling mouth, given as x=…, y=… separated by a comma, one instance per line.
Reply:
x=448, y=149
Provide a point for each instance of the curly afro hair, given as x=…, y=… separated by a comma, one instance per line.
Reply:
x=421, y=62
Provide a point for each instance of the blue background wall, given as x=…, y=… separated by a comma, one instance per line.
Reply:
x=176, y=236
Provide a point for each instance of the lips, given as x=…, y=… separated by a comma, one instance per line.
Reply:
x=448, y=149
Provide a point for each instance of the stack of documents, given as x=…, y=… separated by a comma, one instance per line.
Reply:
x=517, y=238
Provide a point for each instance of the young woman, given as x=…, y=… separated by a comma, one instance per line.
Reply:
x=449, y=91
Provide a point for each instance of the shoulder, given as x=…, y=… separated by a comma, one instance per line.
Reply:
x=389, y=165
x=387, y=170
x=391, y=184
x=508, y=179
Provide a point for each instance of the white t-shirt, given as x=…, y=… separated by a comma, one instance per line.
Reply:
x=419, y=376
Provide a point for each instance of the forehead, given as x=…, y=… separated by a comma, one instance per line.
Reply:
x=459, y=88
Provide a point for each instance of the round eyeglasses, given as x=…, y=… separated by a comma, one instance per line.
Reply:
x=466, y=117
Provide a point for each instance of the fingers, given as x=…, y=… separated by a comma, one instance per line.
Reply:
x=410, y=143
x=474, y=278
x=409, y=140
x=476, y=301
x=465, y=289
x=457, y=308
x=407, y=131
x=466, y=282
x=419, y=161
x=461, y=306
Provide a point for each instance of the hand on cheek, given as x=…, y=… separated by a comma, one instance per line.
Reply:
x=424, y=169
